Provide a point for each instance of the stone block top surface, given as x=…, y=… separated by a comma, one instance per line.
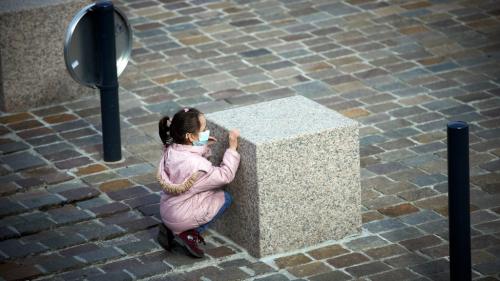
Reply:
x=8, y=6
x=280, y=119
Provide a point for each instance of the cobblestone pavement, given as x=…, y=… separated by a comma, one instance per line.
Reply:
x=400, y=68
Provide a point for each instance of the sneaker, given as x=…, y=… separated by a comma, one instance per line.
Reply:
x=165, y=237
x=189, y=239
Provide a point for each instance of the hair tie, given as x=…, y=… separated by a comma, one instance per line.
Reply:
x=186, y=109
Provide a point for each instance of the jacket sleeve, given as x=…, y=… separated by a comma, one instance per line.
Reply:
x=217, y=177
x=207, y=152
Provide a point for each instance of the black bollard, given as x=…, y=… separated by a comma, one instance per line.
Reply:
x=108, y=81
x=458, y=201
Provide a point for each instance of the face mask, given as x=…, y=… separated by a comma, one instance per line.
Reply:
x=203, y=138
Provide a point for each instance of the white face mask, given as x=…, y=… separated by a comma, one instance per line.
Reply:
x=203, y=138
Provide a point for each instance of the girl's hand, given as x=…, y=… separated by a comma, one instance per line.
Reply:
x=211, y=140
x=233, y=138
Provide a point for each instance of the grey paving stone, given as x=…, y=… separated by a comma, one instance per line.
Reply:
x=68, y=214
x=431, y=267
x=420, y=217
x=59, y=241
x=109, y=276
x=22, y=160
x=402, y=234
x=10, y=147
x=14, y=249
x=365, y=243
x=57, y=263
x=138, y=247
x=8, y=207
x=273, y=277
x=367, y=269
x=99, y=255
x=334, y=275
x=383, y=225
x=135, y=170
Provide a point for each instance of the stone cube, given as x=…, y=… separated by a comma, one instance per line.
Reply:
x=298, y=183
x=32, y=68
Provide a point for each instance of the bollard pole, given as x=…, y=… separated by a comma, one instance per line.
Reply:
x=458, y=200
x=108, y=81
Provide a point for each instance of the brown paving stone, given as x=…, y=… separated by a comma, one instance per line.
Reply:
x=327, y=252
x=37, y=132
x=367, y=269
x=14, y=271
x=355, y=112
x=413, y=30
x=348, y=260
x=115, y=185
x=169, y=78
x=309, y=269
x=421, y=242
x=370, y=216
x=386, y=251
x=65, y=117
x=219, y=252
x=24, y=125
x=195, y=40
x=398, y=210
x=14, y=118
x=91, y=169
x=290, y=261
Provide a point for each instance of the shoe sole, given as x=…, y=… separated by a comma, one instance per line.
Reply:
x=185, y=246
x=163, y=241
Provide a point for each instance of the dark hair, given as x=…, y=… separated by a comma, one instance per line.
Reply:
x=184, y=121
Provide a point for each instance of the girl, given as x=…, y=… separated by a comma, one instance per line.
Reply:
x=190, y=197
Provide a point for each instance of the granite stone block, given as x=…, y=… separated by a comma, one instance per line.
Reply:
x=298, y=180
x=32, y=68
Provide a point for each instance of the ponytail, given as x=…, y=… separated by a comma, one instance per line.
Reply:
x=164, y=131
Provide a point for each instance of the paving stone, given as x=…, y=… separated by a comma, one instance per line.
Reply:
x=364, y=243
x=333, y=275
x=421, y=242
x=396, y=274
x=37, y=199
x=58, y=241
x=14, y=271
x=68, y=214
x=117, y=275
x=273, y=277
x=79, y=194
x=327, y=252
x=308, y=269
x=149, y=269
x=92, y=231
x=402, y=234
x=347, y=260
x=8, y=207
x=14, y=249
x=143, y=200
x=431, y=267
x=56, y=263
x=405, y=260
x=21, y=161
x=99, y=255
x=367, y=269
x=383, y=225
x=293, y=260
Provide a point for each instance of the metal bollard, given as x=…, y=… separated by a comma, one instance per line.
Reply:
x=108, y=81
x=458, y=201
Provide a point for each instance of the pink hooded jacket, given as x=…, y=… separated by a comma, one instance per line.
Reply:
x=190, y=195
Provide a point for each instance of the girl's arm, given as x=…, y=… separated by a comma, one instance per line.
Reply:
x=219, y=176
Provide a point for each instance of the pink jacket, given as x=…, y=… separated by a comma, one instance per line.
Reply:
x=190, y=195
